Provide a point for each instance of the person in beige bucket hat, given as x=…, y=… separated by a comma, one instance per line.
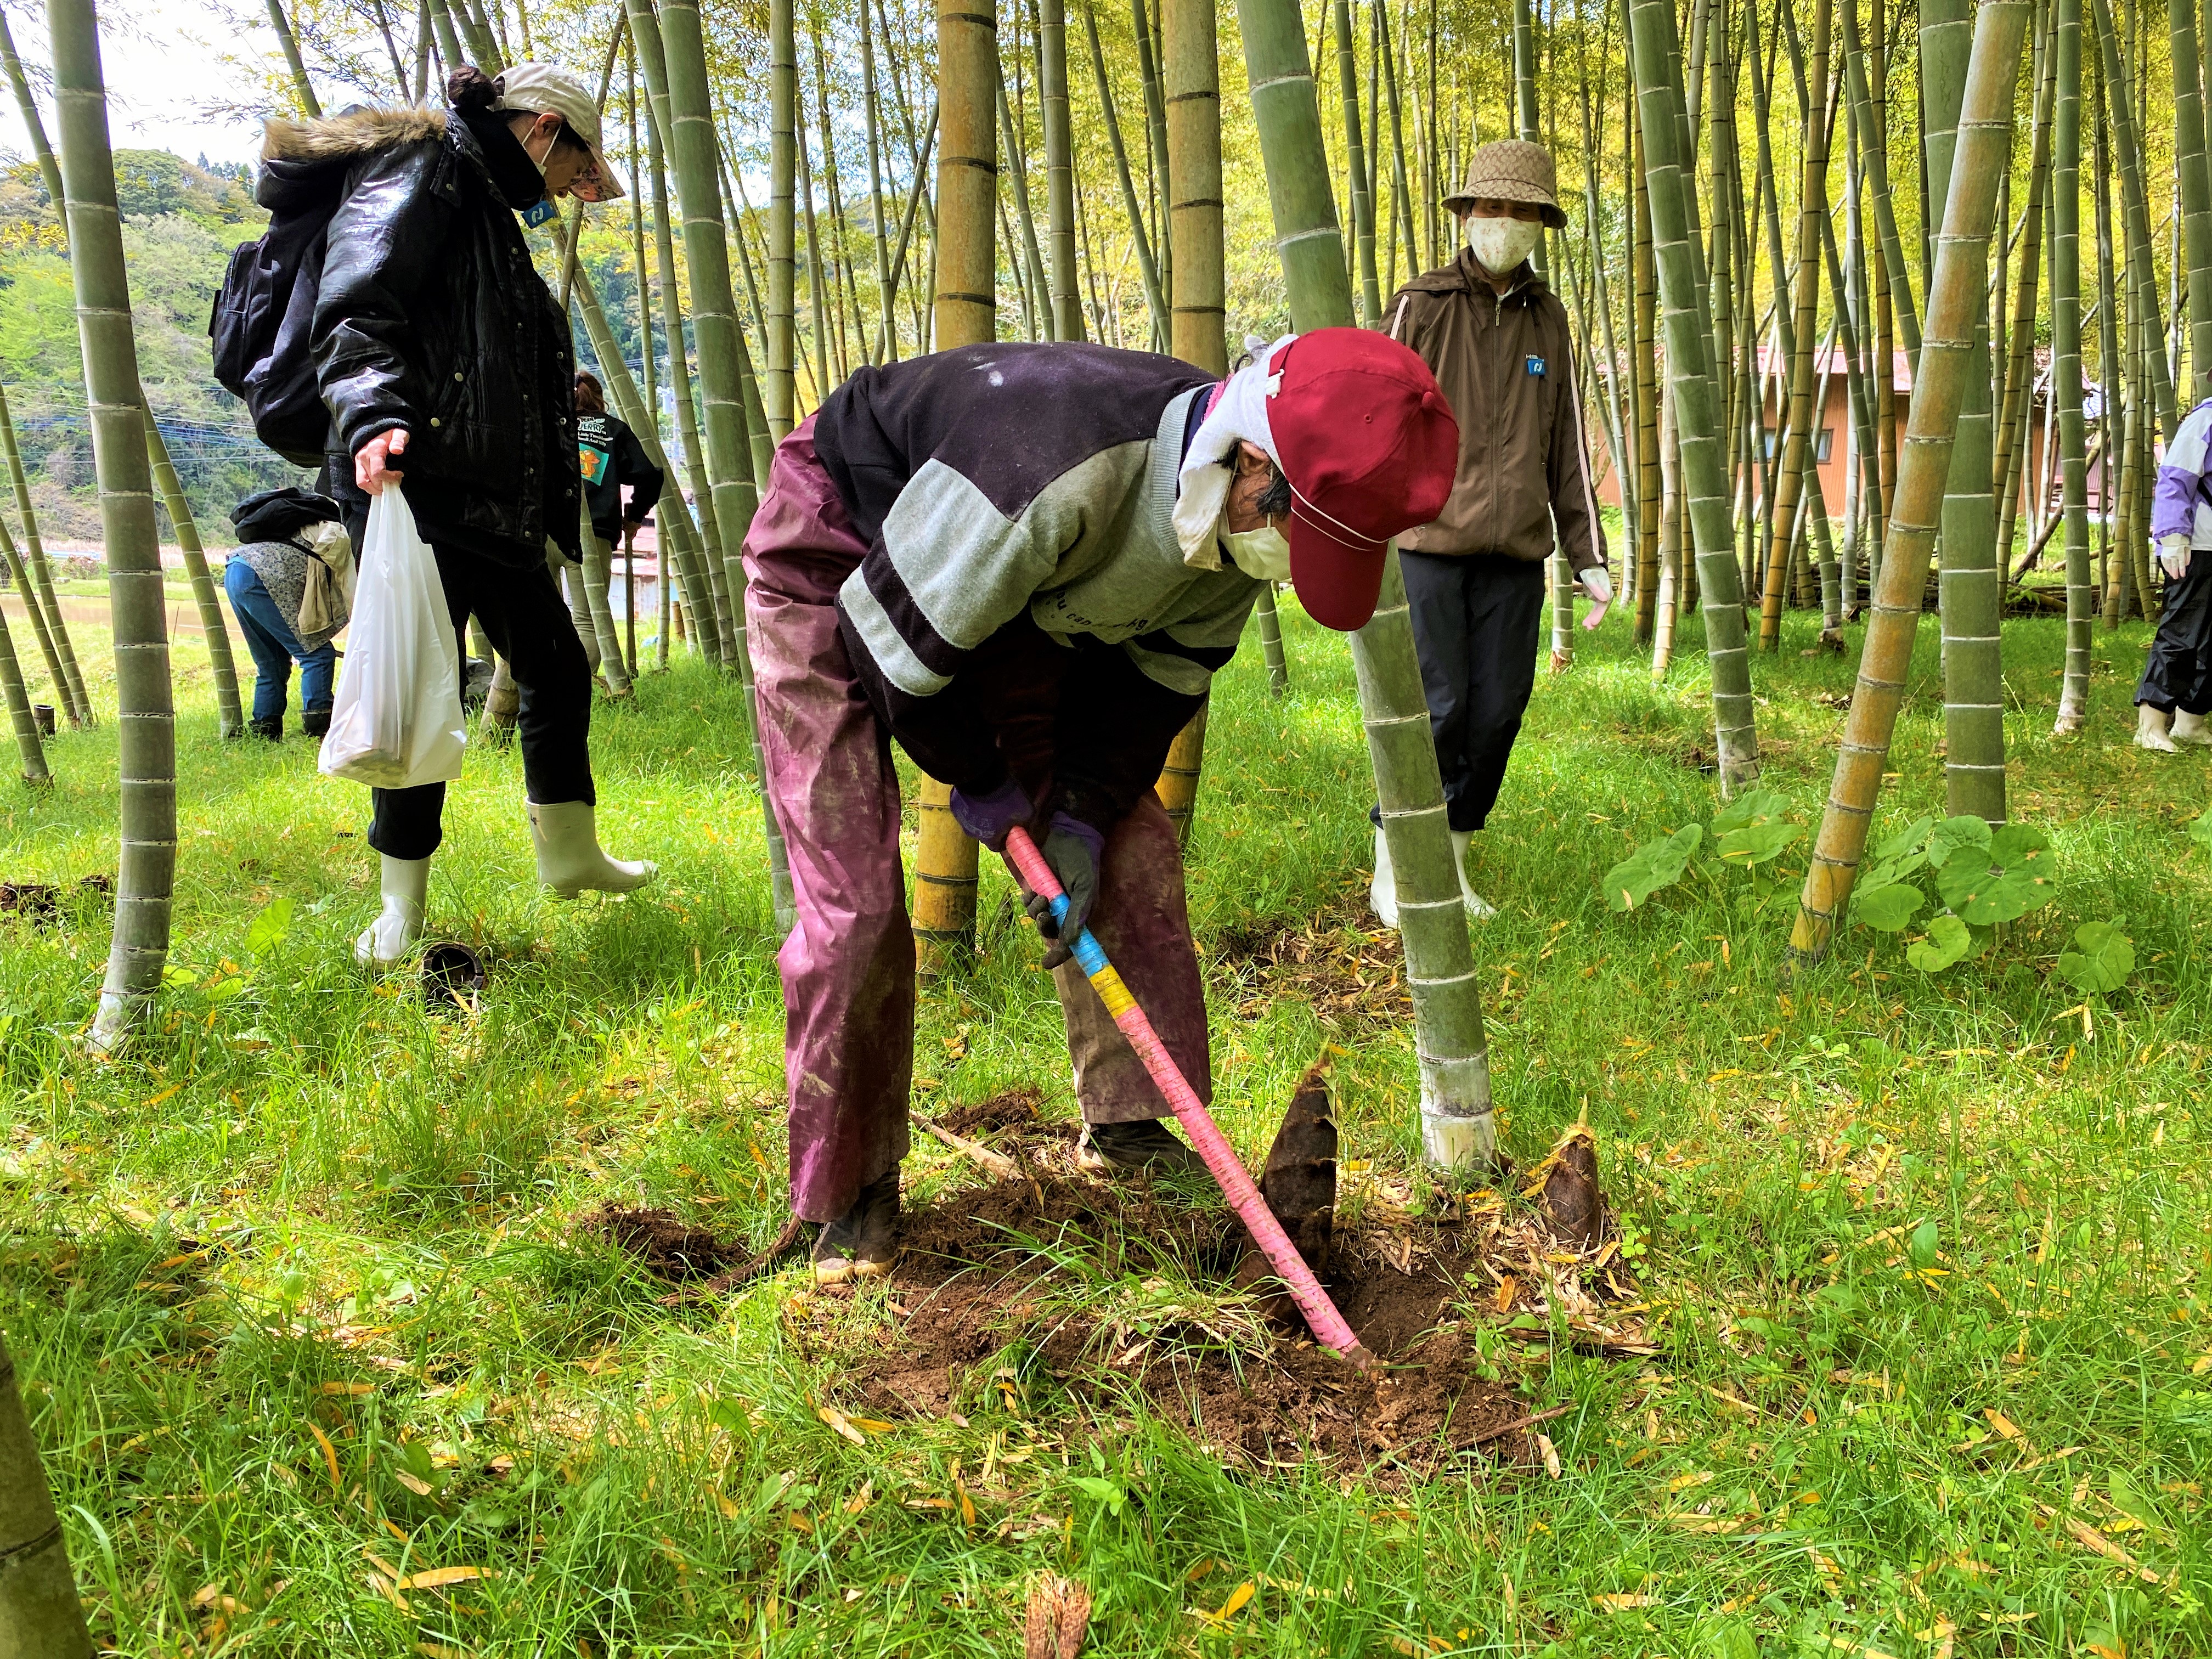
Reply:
x=1496, y=338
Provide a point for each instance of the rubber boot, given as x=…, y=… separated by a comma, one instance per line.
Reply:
x=1479, y=907
x=316, y=723
x=569, y=860
x=2188, y=728
x=1382, y=891
x=2151, y=730
x=271, y=726
x=388, y=939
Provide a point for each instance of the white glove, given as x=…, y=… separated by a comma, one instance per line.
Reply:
x=2173, y=556
x=1597, y=582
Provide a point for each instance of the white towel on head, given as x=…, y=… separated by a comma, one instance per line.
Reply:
x=1239, y=415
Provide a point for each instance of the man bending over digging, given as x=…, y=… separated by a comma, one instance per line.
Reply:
x=1010, y=559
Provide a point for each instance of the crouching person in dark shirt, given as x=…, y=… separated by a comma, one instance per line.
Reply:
x=1023, y=564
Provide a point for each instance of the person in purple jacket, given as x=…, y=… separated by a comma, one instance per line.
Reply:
x=2175, y=693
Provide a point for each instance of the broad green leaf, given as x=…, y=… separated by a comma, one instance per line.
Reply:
x=1986, y=897
x=1756, y=844
x=178, y=977
x=2018, y=844
x=1750, y=808
x=1948, y=940
x=1654, y=865
x=1908, y=842
x=2201, y=830
x=1924, y=1237
x=1887, y=908
x=224, y=990
x=270, y=927
x=2100, y=960
x=1948, y=837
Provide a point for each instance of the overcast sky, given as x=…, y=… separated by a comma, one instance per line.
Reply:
x=163, y=69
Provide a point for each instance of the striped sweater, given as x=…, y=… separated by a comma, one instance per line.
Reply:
x=1016, y=500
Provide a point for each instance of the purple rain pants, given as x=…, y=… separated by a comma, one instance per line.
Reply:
x=849, y=967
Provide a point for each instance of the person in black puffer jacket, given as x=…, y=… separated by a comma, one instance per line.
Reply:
x=447, y=368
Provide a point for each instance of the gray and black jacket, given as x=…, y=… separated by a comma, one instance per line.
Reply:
x=1015, y=490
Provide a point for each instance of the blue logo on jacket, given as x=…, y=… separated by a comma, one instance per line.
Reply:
x=1536, y=365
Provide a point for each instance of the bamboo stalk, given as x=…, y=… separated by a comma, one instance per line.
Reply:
x=1058, y=170
x=2020, y=368
x=1457, y=1126
x=222, y=669
x=1146, y=265
x=285, y=39
x=40, y=1617
x=1983, y=145
x=49, y=169
x=1363, y=197
x=146, y=868
x=966, y=314
x=1696, y=402
x=783, y=241
x=2066, y=363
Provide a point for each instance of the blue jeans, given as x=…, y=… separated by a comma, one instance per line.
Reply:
x=275, y=647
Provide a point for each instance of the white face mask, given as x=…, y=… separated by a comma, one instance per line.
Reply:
x=1260, y=553
x=1501, y=244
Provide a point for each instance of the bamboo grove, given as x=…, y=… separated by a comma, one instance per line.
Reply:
x=1788, y=313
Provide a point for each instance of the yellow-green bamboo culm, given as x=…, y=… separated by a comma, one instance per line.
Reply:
x=2066, y=364
x=222, y=668
x=1983, y=152
x=146, y=866
x=965, y=313
x=1695, y=395
x=1458, y=1130
x=40, y=1617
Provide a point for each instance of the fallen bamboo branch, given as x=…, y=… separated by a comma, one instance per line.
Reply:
x=997, y=1163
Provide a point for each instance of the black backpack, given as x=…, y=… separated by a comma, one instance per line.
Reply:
x=260, y=322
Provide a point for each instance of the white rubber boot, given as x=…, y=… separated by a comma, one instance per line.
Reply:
x=388, y=939
x=1477, y=905
x=569, y=860
x=2188, y=728
x=1382, y=891
x=2151, y=730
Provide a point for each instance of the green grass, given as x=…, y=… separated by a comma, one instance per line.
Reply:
x=390, y=1288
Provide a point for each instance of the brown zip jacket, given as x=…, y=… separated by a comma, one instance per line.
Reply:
x=1508, y=366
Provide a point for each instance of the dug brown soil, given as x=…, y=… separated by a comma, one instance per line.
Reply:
x=980, y=1119
x=665, y=1246
x=980, y=1304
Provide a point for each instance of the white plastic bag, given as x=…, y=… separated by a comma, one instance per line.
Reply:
x=396, y=719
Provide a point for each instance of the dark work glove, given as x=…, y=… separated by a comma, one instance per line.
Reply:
x=987, y=817
x=1074, y=849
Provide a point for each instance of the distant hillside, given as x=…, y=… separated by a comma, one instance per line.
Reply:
x=180, y=222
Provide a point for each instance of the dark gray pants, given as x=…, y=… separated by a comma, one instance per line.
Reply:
x=1475, y=622
x=2179, y=672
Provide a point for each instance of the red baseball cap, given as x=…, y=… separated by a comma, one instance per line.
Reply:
x=1369, y=447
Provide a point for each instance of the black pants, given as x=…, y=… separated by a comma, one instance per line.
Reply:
x=1475, y=622
x=2179, y=672
x=528, y=624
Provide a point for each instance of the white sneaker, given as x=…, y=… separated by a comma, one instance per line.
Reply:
x=2151, y=730
x=2188, y=728
x=569, y=860
x=387, y=940
x=1382, y=891
x=1477, y=905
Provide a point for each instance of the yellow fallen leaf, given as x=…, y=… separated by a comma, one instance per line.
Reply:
x=330, y=1455
x=1503, y=1301
x=730, y=1511
x=838, y=1422
x=2104, y=1546
x=2004, y=1425
x=420, y=1488
x=346, y=1387
x=206, y=1594
x=1237, y=1597
x=1550, y=1454
x=1620, y=1602
x=1203, y=1565
x=438, y=1577
x=382, y=1586
x=1683, y=1482
x=801, y=1522
x=439, y=1650
x=967, y=1505
x=1844, y=1646
x=860, y=1499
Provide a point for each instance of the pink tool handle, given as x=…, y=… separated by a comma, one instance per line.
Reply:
x=1221, y=1160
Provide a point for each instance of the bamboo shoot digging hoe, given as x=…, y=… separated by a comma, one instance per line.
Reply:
x=1320, y=1313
